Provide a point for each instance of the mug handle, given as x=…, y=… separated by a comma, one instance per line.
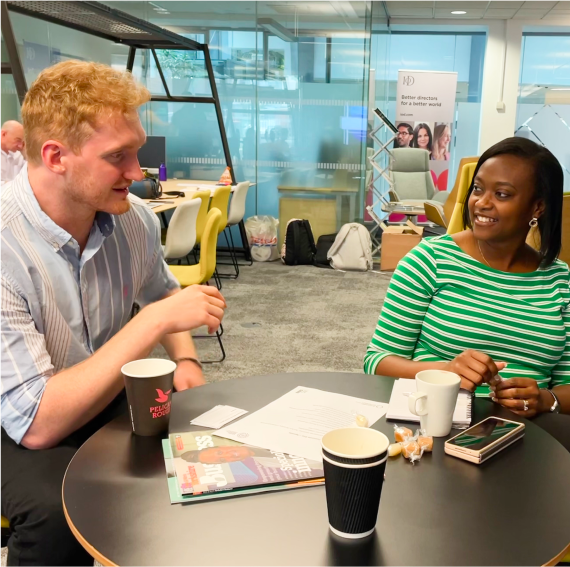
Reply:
x=413, y=400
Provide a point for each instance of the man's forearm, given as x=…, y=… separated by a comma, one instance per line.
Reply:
x=76, y=395
x=179, y=345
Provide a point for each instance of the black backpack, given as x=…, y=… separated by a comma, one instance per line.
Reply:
x=324, y=244
x=299, y=243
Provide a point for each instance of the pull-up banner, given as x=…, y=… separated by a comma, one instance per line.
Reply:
x=425, y=108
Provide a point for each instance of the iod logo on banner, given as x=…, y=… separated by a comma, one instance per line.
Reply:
x=408, y=80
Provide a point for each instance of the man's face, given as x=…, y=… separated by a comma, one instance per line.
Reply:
x=13, y=139
x=216, y=455
x=404, y=137
x=98, y=178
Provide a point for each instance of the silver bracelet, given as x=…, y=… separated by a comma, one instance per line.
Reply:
x=556, y=405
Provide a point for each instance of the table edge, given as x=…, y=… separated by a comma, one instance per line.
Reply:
x=97, y=555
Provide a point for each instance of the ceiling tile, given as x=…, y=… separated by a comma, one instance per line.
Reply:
x=526, y=14
x=505, y=4
x=546, y=5
x=449, y=6
x=411, y=4
x=410, y=12
x=499, y=13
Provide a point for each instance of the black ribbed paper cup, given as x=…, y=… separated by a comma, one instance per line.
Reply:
x=354, y=460
x=148, y=383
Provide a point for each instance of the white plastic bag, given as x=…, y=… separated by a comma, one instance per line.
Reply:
x=262, y=237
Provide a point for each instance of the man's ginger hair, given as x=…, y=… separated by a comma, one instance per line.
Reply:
x=67, y=102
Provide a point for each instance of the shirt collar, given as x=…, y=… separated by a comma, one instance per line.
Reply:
x=46, y=227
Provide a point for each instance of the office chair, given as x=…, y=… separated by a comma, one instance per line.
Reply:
x=202, y=272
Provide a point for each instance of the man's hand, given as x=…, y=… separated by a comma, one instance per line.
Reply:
x=190, y=308
x=188, y=375
x=474, y=367
x=513, y=393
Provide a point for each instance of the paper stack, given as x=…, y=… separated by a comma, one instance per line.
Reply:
x=218, y=416
x=398, y=406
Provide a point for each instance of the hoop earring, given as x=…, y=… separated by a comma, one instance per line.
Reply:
x=533, y=223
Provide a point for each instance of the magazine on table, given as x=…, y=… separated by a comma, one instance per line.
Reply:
x=200, y=466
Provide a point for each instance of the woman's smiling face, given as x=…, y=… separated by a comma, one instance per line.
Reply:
x=503, y=198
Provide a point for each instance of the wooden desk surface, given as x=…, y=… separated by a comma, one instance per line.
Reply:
x=304, y=189
x=175, y=185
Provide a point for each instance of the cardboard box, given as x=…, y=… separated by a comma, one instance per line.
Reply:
x=397, y=241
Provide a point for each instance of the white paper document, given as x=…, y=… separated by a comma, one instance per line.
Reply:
x=218, y=416
x=398, y=407
x=296, y=422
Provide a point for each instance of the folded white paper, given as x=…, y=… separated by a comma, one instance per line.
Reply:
x=218, y=416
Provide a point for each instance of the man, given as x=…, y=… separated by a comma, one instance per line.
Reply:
x=76, y=254
x=405, y=135
x=12, y=142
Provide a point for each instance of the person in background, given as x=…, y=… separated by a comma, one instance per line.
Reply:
x=482, y=302
x=441, y=139
x=404, y=136
x=77, y=253
x=12, y=141
x=422, y=138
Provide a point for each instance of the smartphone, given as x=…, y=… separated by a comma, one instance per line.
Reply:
x=384, y=119
x=485, y=439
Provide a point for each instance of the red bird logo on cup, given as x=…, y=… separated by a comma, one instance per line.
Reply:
x=162, y=396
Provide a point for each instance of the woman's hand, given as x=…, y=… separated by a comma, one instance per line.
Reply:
x=474, y=367
x=513, y=393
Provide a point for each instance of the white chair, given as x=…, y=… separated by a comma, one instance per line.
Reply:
x=181, y=233
x=236, y=213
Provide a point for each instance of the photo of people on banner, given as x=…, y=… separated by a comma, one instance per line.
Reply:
x=425, y=110
x=434, y=137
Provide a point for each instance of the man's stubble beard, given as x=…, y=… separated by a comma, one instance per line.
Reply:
x=79, y=191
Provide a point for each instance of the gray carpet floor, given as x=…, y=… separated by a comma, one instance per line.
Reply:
x=292, y=319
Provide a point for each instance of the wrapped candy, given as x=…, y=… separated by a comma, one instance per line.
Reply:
x=402, y=433
x=412, y=450
x=426, y=443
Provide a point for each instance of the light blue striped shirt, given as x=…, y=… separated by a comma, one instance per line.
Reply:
x=58, y=305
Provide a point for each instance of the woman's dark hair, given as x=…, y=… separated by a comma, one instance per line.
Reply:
x=548, y=182
x=417, y=132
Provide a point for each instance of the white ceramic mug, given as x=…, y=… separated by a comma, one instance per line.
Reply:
x=434, y=401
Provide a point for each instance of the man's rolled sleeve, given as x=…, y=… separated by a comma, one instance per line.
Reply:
x=159, y=279
x=26, y=364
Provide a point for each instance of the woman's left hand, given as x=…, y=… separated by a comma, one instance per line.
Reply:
x=513, y=393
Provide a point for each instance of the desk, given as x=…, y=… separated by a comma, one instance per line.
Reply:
x=173, y=185
x=323, y=219
x=512, y=510
x=409, y=210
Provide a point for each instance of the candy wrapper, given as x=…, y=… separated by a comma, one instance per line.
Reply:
x=412, y=446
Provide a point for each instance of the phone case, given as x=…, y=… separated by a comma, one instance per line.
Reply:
x=481, y=455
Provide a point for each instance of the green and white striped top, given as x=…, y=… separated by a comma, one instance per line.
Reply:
x=441, y=301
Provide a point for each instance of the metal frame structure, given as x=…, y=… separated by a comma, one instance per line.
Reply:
x=382, y=172
x=108, y=23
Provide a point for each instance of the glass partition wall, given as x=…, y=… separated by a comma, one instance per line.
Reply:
x=296, y=81
x=543, y=111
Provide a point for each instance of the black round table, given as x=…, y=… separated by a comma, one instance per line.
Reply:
x=512, y=510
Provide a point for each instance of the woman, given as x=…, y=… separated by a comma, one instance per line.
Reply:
x=483, y=302
x=441, y=139
x=422, y=138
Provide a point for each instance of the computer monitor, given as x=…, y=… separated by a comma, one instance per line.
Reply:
x=153, y=153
